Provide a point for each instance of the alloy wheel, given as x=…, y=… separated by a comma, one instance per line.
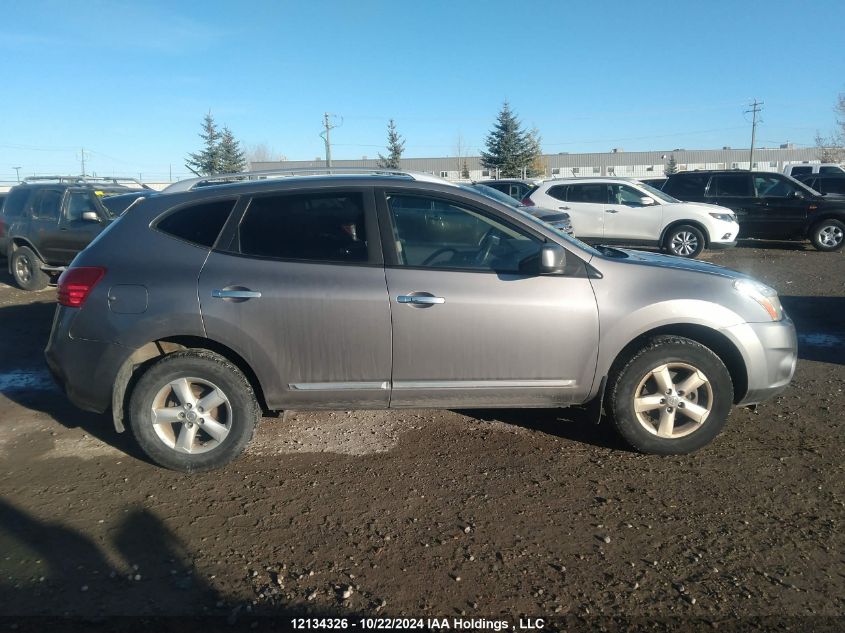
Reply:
x=191, y=415
x=23, y=268
x=831, y=236
x=673, y=400
x=683, y=243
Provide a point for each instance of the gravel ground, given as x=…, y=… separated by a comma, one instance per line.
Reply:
x=437, y=514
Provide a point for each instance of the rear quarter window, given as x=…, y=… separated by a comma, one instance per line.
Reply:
x=686, y=186
x=198, y=224
x=15, y=203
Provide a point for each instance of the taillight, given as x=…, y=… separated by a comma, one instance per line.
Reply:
x=75, y=284
x=528, y=202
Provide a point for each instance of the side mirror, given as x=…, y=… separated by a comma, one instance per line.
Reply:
x=646, y=201
x=90, y=216
x=552, y=259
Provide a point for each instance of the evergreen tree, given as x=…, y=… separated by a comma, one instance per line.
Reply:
x=232, y=158
x=465, y=170
x=509, y=148
x=671, y=166
x=395, y=147
x=206, y=162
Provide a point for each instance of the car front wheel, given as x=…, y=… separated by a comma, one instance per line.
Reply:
x=26, y=269
x=828, y=235
x=193, y=411
x=684, y=241
x=673, y=396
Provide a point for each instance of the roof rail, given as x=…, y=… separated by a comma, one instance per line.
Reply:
x=265, y=174
x=87, y=180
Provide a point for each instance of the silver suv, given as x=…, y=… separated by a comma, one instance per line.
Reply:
x=216, y=300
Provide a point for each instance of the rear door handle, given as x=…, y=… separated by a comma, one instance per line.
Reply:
x=420, y=299
x=611, y=210
x=235, y=294
x=564, y=208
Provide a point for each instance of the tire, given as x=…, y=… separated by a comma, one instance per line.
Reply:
x=684, y=241
x=828, y=235
x=700, y=412
x=26, y=269
x=209, y=376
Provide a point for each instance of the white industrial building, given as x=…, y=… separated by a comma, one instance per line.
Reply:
x=614, y=163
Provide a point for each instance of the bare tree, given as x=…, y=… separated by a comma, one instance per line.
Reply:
x=831, y=149
x=460, y=152
x=261, y=153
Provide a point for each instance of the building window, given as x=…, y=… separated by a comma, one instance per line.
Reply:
x=444, y=174
x=596, y=170
x=611, y=170
x=556, y=171
x=651, y=168
x=734, y=165
x=576, y=170
x=773, y=164
x=485, y=173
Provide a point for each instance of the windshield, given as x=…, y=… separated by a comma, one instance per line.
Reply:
x=499, y=196
x=656, y=193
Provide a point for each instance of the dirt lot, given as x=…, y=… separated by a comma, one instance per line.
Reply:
x=492, y=514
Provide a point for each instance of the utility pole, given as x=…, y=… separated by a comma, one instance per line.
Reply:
x=18, y=172
x=327, y=128
x=82, y=159
x=755, y=108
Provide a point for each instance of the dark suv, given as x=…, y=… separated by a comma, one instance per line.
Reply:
x=767, y=205
x=828, y=184
x=45, y=222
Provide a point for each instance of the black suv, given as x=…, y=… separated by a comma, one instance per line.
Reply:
x=45, y=222
x=767, y=204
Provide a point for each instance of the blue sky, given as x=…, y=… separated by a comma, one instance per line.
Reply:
x=131, y=81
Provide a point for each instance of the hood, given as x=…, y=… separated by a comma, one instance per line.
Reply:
x=705, y=207
x=658, y=260
x=545, y=214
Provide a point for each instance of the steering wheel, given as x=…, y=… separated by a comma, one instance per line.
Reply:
x=485, y=246
x=438, y=253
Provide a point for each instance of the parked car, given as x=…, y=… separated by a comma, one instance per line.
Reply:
x=814, y=168
x=828, y=184
x=767, y=204
x=657, y=183
x=46, y=221
x=392, y=291
x=558, y=219
x=119, y=203
x=516, y=188
x=625, y=211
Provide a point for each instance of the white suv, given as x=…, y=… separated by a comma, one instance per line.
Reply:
x=626, y=211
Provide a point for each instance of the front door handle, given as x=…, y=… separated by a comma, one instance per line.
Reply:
x=564, y=208
x=611, y=210
x=425, y=300
x=239, y=293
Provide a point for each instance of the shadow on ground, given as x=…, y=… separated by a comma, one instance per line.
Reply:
x=820, y=326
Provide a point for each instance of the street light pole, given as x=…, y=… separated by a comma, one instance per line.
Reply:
x=18, y=172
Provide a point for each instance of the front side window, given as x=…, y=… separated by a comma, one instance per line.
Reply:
x=434, y=233
x=595, y=193
x=78, y=203
x=47, y=204
x=327, y=227
x=795, y=171
x=773, y=187
x=829, y=185
x=827, y=169
x=729, y=185
x=623, y=194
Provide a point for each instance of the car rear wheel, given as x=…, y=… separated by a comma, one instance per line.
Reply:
x=828, y=235
x=26, y=269
x=193, y=411
x=684, y=241
x=673, y=396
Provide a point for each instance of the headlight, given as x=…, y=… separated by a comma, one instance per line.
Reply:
x=724, y=217
x=761, y=293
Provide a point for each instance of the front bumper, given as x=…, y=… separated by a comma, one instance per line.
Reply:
x=84, y=369
x=719, y=245
x=770, y=352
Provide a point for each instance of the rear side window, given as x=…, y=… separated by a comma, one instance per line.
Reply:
x=730, y=185
x=199, y=224
x=686, y=186
x=314, y=227
x=16, y=203
x=795, y=171
x=831, y=170
x=593, y=193
x=47, y=205
x=829, y=185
